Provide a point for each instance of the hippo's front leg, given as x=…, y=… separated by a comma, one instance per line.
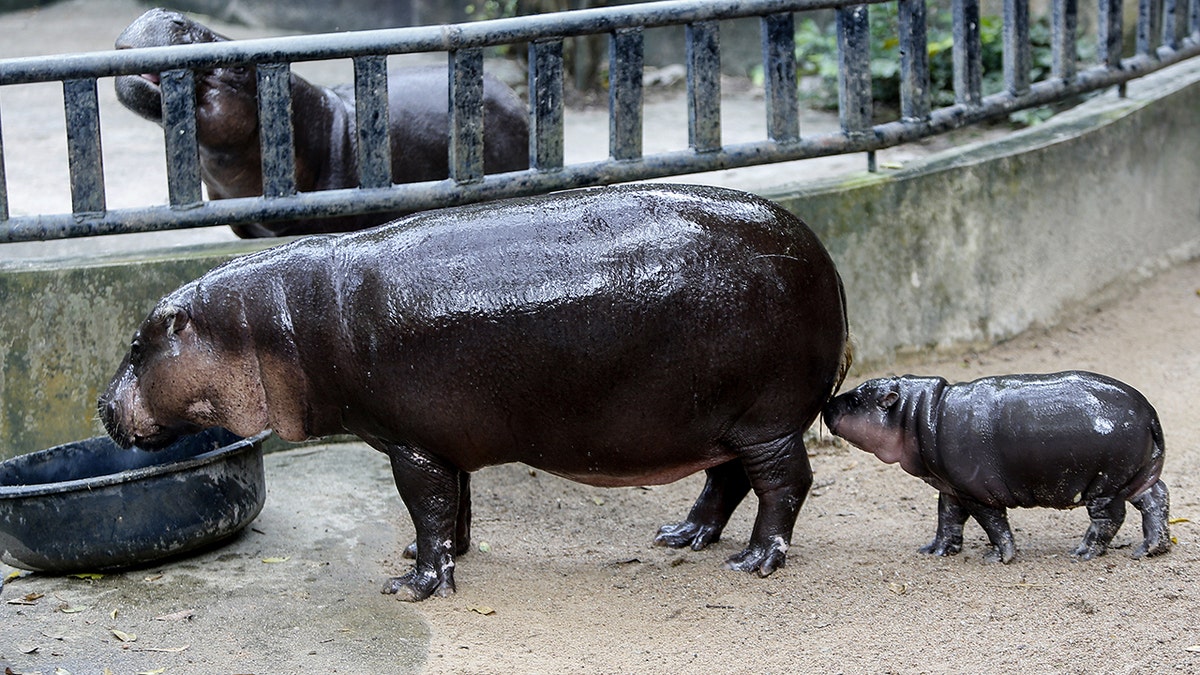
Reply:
x=430, y=488
x=952, y=515
x=726, y=486
x=781, y=476
x=462, y=528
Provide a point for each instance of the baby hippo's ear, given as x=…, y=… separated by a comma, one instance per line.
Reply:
x=889, y=399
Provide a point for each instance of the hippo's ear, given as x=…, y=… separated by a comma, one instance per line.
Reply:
x=176, y=319
x=889, y=399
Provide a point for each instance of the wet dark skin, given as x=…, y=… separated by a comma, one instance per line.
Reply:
x=324, y=126
x=617, y=337
x=1059, y=440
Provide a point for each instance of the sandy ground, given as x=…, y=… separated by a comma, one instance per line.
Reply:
x=569, y=581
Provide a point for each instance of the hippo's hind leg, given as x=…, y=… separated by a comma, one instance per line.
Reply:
x=462, y=529
x=725, y=488
x=994, y=521
x=1155, y=506
x=1107, y=515
x=430, y=488
x=952, y=515
x=780, y=475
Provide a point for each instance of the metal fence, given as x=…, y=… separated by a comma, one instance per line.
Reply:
x=1168, y=31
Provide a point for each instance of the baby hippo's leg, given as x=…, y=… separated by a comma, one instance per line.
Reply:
x=1154, y=505
x=951, y=517
x=994, y=522
x=1107, y=515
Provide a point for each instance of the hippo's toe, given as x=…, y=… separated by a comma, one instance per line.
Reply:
x=687, y=533
x=418, y=584
x=761, y=559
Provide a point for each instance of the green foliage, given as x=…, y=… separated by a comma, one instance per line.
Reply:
x=817, y=57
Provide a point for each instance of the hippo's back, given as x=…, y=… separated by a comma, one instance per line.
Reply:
x=625, y=320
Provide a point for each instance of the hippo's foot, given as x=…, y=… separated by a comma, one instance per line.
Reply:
x=687, y=533
x=1000, y=553
x=418, y=584
x=1088, y=550
x=1148, y=550
x=942, y=547
x=1107, y=515
x=761, y=559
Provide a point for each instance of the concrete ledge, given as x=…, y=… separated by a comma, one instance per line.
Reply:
x=972, y=246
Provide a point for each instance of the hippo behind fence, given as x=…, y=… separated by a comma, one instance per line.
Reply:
x=614, y=336
x=1060, y=440
x=325, y=137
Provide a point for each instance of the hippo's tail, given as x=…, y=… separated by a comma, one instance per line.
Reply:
x=848, y=350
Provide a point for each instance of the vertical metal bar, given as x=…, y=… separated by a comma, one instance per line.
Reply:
x=1149, y=25
x=914, y=61
x=275, y=129
x=854, y=68
x=83, y=145
x=1172, y=13
x=546, y=109
x=179, y=131
x=1017, y=51
x=626, y=56
x=1108, y=33
x=968, y=53
x=466, y=115
x=1194, y=18
x=779, y=74
x=3, y=180
x=1063, y=25
x=704, y=85
x=371, y=120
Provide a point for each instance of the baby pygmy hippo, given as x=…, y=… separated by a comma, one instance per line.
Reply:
x=1060, y=441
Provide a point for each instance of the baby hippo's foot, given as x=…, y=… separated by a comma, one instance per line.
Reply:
x=942, y=547
x=1148, y=550
x=420, y=583
x=1088, y=550
x=761, y=559
x=687, y=533
x=1001, y=553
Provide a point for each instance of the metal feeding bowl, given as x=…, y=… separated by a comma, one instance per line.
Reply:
x=92, y=505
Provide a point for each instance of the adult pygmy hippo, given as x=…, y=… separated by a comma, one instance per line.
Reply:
x=615, y=336
x=325, y=135
x=1060, y=440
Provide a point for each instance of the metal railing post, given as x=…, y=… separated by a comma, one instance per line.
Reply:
x=179, y=131
x=83, y=146
x=275, y=129
x=372, y=121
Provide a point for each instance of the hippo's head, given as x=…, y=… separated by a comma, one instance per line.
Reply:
x=226, y=97
x=177, y=379
x=870, y=418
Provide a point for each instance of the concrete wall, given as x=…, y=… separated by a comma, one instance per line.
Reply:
x=978, y=244
x=972, y=246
